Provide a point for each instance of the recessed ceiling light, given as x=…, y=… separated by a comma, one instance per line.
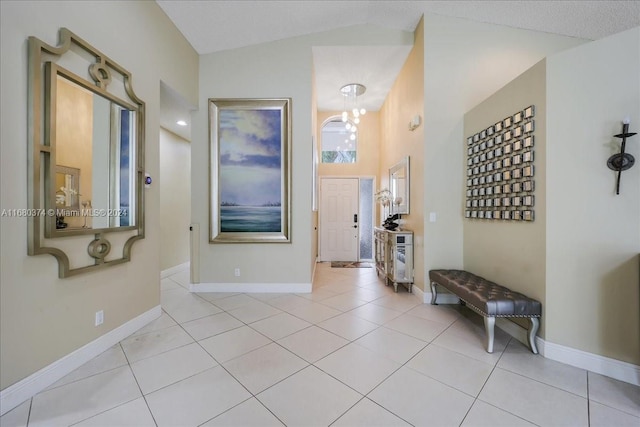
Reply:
x=181, y=123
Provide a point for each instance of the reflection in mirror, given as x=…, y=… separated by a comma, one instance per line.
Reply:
x=399, y=183
x=67, y=188
x=95, y=136
x=67, y=194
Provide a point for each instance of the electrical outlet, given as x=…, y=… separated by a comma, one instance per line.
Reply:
x=99, y=317
x=237, y=272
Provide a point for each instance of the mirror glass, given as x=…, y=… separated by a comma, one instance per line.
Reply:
x=399, y=183
x=95, y=172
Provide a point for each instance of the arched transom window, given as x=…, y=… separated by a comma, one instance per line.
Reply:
x=339, y=142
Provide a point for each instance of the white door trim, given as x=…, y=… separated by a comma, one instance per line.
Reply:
x=373, y=204
x=342, y=251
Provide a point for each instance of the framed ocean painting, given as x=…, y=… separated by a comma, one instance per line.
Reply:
x=250, y=170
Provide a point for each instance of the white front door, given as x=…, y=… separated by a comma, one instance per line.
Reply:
x=339, y=219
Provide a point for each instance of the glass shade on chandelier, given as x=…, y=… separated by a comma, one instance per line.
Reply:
x=351, y=113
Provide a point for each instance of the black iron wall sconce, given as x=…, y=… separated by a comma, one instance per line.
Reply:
x=622, y=161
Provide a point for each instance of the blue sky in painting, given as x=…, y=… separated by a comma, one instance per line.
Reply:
x=250, y=156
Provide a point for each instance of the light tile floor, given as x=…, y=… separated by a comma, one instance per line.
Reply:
x=352, y=353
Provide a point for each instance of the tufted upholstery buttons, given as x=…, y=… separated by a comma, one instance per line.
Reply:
x=485, y=296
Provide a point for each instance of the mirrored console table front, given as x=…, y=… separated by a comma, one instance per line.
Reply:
x=394, y=256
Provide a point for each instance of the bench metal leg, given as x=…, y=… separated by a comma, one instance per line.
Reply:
x=434, y=293
x=489, y=325
x=535, y=324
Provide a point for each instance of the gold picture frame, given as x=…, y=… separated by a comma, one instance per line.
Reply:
x=250, y=170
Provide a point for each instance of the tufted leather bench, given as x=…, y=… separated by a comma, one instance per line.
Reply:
x=489, y=300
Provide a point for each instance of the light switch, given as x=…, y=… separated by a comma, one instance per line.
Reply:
x=432, y=217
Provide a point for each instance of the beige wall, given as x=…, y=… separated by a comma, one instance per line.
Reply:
x=42, y=317
x=404, y=101
x=593, y=235
x=175, y=199
x=512, y=253
x=368, y=155
x=581, y=255
x=270, y=70
x=464, y=62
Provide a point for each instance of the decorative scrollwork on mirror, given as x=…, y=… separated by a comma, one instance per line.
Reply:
x=86, y=156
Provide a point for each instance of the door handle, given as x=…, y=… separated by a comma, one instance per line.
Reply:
x=355, y=217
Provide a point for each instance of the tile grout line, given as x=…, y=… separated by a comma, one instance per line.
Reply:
x=308, y=364
x=123, y=403
x=29, y=412
x=238, y=404
x=138, y=384
x=211, y=356
x=475, y=399
x=378, y=326
x=50, y=388
x=528, y=378
x=236, y=379
x=190, y=376
x=543, y=383
x=353, y=342
x=348, y=409
x=400, y=367
x=313, y=363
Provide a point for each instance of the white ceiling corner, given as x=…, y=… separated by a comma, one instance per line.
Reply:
x=212, y=26
x=174, y=107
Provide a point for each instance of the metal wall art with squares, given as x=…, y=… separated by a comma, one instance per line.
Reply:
x=500, y=169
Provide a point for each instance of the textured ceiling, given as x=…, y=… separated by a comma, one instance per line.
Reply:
x=212, y=26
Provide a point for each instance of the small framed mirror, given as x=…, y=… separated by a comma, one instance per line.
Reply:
x=399, y=179
x=67, y=188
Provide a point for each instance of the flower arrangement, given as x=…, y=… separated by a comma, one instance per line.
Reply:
x=384, y=197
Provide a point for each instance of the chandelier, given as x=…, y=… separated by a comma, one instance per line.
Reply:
x=351, y=113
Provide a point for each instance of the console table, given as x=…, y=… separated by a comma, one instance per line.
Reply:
x=394, y=256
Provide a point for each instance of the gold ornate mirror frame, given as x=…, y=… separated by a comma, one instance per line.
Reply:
x=104, y=240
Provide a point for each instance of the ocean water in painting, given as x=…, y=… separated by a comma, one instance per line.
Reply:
x=250, y=170
x=254, y=219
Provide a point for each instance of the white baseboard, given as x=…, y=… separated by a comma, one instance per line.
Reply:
x=603, y=365
x=443, y=298
x=418, y=293
x=517, y=332
x=613, y=368
x=173, y=270
x=297, y=288
x=26, y=388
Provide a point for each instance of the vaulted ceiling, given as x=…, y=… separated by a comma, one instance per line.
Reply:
x=212, y=26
